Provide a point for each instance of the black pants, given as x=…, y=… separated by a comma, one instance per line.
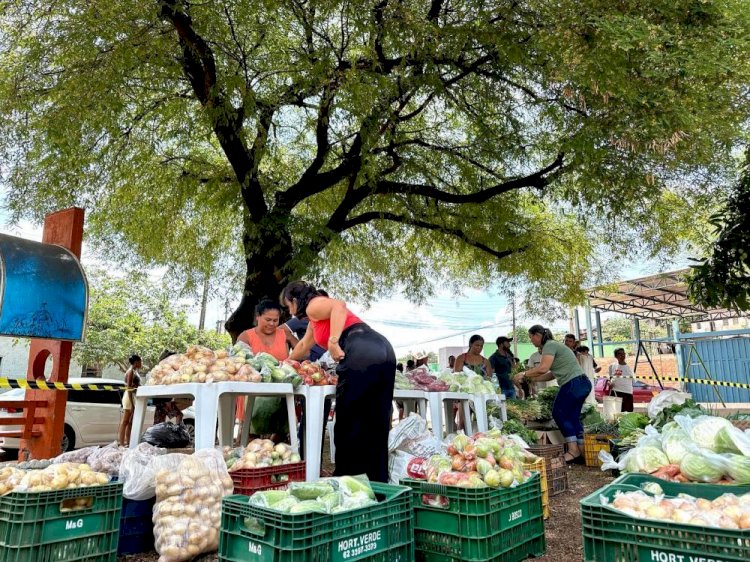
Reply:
x=364, y=398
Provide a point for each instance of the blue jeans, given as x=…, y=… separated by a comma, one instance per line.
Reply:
x=567, y=408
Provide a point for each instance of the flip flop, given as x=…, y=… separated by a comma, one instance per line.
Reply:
x=578, y=459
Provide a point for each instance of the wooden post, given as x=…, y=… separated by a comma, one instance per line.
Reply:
x=63, y=228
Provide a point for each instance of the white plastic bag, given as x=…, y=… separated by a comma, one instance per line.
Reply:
x=139, y=467
x=664, y=399
x=187, y=513
x=405, y=465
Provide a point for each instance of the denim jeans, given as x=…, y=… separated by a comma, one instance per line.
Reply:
x=567, y=408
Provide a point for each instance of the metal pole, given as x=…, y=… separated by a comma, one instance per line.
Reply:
x=576, y=323
x=637, y=330
x=589, y=332
x=599, y=333
x=678, y=348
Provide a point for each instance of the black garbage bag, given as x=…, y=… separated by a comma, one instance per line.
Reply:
x=167, y=435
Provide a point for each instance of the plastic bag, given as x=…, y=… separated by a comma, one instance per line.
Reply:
x=107, y=459
x=138, y=470
x=665, y=399
x=167, y=435
x=405, y=465
x=187, y=513
x=78, y=456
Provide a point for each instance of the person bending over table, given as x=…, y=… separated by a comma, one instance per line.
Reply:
x=366, y=370
x=559, y=362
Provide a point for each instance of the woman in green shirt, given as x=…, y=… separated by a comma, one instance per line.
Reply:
x=559, y=362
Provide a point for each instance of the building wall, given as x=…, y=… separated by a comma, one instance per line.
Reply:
x=718, y=325
x=15, y=360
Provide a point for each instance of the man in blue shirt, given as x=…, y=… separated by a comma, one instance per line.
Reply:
x=502, y=362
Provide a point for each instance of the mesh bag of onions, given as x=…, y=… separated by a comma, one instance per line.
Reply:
x=187, y=512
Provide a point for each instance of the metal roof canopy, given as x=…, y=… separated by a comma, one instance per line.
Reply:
x=663, y=295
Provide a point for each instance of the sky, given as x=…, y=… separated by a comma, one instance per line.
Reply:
x=445, y=321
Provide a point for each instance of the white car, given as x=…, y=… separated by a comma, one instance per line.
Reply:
x=92, y=417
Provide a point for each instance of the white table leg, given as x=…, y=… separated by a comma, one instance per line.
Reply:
x=139, y=416
x=313, y=433
x=248, y=421
x=226, y=419
x=468, y=426
x=292, y=417
x=436, y=416
x=480, y=408
x=206, y=404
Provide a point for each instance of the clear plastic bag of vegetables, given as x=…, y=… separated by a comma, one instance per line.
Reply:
x=187, y=513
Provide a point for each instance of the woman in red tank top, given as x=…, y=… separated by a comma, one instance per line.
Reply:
x=366, y=370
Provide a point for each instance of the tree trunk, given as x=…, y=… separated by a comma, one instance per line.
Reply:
x=268, y=261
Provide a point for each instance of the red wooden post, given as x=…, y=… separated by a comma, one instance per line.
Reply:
x=63, y=228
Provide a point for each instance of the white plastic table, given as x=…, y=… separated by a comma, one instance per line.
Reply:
x=480, y=408
x=315, y=397
x=412, y=399
x=442, y=413
x=213, y=402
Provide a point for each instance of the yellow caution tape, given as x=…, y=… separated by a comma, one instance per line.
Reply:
x=42, y=384
x=688, y=380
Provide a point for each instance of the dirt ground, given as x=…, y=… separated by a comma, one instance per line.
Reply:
x=562, y=529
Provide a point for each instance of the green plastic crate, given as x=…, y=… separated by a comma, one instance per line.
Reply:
x=513, y=553
x=480, y=549
x=34, y=529
x=378, y=533
x=612, y=536
x=474, y=512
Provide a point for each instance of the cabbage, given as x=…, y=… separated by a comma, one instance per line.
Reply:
x=705, y=429
x=645, y=459
x=700, y=468
x=732, y=440
x=675, y=444
x=353, y=485
x=738, y=468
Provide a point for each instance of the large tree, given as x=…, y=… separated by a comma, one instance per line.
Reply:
x=376, y=144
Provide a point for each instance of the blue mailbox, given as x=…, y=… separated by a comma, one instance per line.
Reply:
x=43, y=291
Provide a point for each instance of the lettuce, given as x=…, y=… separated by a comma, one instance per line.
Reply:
x=646, y=460
x=675, y=444
x=738, y=468
x=731, y=440
x=701, y=468
x=631, y=422
x=705, y=430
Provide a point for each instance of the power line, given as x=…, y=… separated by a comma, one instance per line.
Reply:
x=476, y=328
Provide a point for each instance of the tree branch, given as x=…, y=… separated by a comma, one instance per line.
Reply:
x=538, y=179
x=199, y=66
x=364, y=218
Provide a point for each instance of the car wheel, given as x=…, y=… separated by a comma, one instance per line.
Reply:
x=190, y=427
x=69, y=440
